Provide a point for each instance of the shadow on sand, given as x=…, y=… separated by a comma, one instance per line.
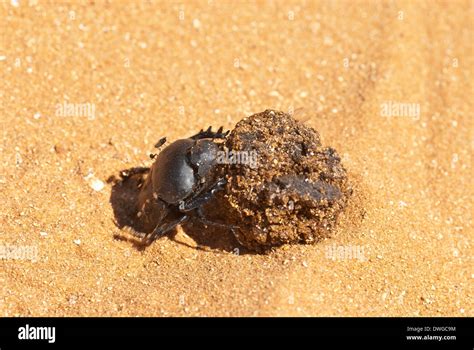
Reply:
x=123, y=199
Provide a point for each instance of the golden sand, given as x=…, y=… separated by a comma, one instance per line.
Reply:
x=88, y=88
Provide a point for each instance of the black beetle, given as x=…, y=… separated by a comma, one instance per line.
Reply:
x=181, y=180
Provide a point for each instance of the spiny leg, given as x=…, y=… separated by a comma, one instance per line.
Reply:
x=125, y=174
x=201, y=198
x=162, y=228
x=209, y=134
x=202, y=218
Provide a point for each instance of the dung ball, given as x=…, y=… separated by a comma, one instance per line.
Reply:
x=283, y=186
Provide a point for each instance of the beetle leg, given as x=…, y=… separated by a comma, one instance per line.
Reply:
x=163, y=228
x=201, y=217
x=200, y=199
x=209, y=134
x=125, y=174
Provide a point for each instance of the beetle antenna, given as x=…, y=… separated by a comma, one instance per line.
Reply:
x=161, y=142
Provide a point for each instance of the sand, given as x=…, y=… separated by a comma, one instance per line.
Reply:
x=136, y=72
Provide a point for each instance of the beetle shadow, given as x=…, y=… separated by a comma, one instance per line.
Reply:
x=123, y=198
x=211, y=238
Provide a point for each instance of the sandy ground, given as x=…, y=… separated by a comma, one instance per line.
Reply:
x=164, y=69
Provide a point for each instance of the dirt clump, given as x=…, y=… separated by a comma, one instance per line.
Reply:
x=283, y=185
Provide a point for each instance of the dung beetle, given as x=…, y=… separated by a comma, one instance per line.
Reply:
x=181, y=180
